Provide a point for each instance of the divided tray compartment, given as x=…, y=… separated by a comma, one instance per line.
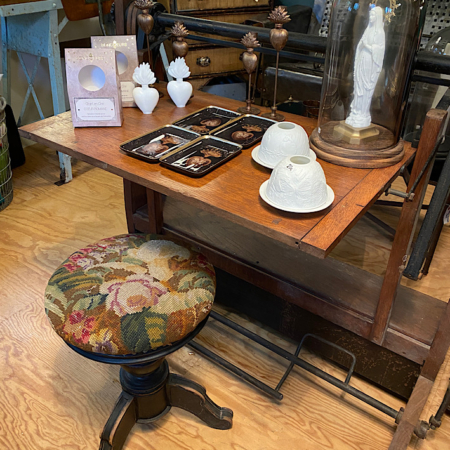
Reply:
x=245, y=130
x=207, y=120
x=150, y=147
x=214, y=150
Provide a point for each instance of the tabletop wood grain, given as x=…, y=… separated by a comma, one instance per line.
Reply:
x=232, y=190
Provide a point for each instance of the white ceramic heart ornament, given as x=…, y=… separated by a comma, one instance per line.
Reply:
x=180, y=91
x=145, y=97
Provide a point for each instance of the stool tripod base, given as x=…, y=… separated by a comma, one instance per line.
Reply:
x=170, y=391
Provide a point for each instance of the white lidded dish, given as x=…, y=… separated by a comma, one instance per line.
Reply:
x=297, y=184
x=280, y=141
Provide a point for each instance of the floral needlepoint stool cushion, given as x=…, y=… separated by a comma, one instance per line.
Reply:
x=130, y=294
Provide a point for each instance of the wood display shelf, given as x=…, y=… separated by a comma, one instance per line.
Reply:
x=281, y=252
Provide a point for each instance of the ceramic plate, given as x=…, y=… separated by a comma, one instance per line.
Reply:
x=255, y=157
x=329, y=201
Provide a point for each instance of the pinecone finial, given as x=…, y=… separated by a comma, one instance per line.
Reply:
x=179, y=30
x=144, y=4
x=250, y=41
x=279, y=15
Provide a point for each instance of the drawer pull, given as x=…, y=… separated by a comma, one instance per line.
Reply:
x=204, y=61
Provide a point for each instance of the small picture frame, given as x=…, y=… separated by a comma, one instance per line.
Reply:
x=93, y=87
x=127, y=61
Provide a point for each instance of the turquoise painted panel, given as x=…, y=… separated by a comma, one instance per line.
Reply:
x=29, y=33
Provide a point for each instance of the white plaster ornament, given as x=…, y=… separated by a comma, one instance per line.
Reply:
x=180, y=91
x=146, y=98
x=297, y=184
x=281, y=140
x=368, y=64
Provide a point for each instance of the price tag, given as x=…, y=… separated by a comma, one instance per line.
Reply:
x=95, y=109
x=127, y=91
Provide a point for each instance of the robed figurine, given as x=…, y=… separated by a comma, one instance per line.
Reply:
x=368, y=64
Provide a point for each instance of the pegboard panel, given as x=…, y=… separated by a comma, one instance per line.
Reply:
x=325, y=19
x=437, y=18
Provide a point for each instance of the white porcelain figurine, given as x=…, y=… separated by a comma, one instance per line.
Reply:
x=368, y=64
x=145, y=97
x=180, y=91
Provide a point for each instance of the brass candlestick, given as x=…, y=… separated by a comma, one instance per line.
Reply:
x=250, y=61
x=278, y=39
x=146, y=22
x=179, y=45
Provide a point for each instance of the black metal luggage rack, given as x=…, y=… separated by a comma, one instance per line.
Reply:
x=422, y=426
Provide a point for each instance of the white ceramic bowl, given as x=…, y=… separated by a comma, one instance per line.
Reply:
x=281, y=140
x=298, y=183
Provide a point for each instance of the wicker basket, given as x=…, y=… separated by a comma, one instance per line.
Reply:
x=6, y=189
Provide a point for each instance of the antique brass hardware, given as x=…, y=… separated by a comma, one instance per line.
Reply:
x=204, y=61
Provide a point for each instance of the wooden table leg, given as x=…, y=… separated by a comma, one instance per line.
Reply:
x=147, y=219
x=419, y=396
x=405, y=230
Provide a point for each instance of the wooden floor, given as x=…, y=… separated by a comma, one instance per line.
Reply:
x=52, y=398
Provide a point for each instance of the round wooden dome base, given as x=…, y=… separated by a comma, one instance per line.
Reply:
x=367, y=158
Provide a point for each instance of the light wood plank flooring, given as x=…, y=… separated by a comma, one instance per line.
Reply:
x=52, y=398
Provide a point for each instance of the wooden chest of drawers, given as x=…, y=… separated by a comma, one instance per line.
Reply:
x=187, y=6
x=206, y=60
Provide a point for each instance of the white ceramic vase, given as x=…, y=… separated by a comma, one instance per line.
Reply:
x=281, y=140
x=180, y=91
x=146, y=98
x=297, y=182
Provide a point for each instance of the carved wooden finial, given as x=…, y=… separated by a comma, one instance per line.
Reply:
x=279, y=15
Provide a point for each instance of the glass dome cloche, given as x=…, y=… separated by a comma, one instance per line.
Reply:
x=370, y=52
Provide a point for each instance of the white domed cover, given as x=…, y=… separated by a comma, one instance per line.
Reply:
x=281, y=140
x=297, y=182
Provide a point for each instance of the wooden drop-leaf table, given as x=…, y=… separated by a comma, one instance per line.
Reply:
x=283, y=253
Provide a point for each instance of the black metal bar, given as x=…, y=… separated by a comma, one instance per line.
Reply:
x=332, y=344
x=100, y=16
x=431, y=62
x=337, y=347
x=236, y=370
x=298, y=41
x=380, y=223
x=265, y=50
x=435, y=210
x=425, y=61
x=306, y=366
x=431, y=80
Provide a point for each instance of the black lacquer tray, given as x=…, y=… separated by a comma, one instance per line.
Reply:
x=152, y=146
x=201, y=156
x=207, y=119
x=245, y=130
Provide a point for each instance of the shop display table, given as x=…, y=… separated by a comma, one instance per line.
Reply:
x=283, y=253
